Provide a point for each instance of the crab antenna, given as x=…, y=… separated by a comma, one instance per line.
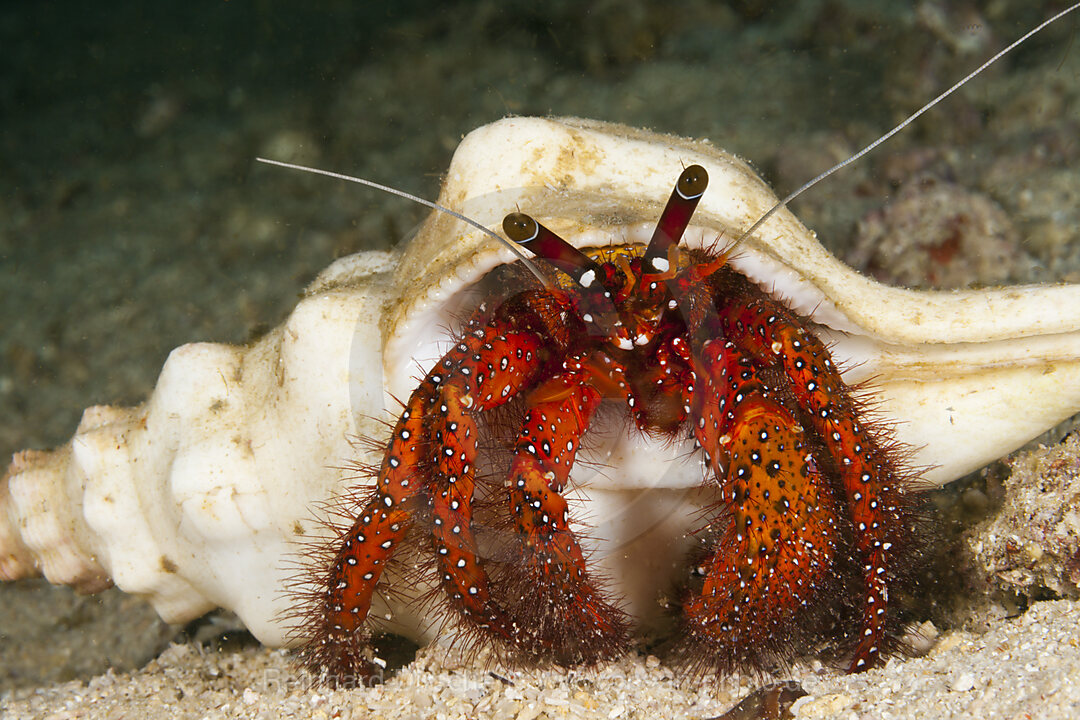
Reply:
x=910, y=119
x=514, y=248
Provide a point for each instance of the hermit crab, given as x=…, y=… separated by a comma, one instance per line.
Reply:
x=813, y=514
x=807, y=494
x=202, y=496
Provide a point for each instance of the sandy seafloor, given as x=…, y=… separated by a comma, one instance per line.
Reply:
x=133, y=219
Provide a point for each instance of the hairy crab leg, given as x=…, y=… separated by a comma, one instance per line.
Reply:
x=884, y=519
x=772, y=549
x=430, y=459
x=365, y=548
x=488, y=367
x=566, y=615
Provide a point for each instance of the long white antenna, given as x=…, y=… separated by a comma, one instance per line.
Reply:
x=911, y=118
x=514, y=248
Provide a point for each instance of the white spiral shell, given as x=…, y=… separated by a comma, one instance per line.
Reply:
x=196, y=498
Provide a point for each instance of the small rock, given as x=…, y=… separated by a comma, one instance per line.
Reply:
x=962, y=682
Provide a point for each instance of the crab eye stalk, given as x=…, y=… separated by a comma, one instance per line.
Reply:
x=676, y=216
x=596, y=303
x=545, y=244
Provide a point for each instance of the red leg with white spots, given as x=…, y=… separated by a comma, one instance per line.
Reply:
x=485, y=370
x=883, y=520
x=772, y=545
x=337, y=642
x=770, y=550
x=560, y=610
x=429, y=464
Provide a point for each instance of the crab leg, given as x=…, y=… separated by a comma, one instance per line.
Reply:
x=566, y=617
x=485, y=370
x=869, y=472
x=430, y=458
x=365, y=548
x=773, y=552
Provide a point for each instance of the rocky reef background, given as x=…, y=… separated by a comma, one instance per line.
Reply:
x=134, y=218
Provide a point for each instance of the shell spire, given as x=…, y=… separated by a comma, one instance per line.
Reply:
x=193, y=498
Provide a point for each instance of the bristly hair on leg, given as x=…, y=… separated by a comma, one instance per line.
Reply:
x=348, y=661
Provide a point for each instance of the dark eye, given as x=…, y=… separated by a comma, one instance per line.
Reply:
x=519, y=227
x=692, y=182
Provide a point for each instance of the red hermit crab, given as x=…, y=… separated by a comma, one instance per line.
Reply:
x=811, y=515
x=197, y=498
